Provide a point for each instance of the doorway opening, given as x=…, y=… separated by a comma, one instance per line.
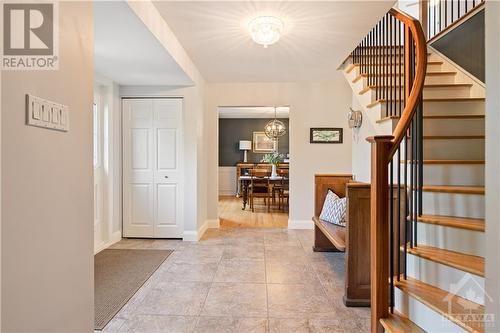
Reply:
x=253, y=181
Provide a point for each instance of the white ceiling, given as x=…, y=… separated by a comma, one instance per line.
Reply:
x=317, y=37
x=126, y=52
x=253, y=112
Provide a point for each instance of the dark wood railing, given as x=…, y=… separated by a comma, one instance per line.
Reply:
x=393, y=58
x=438, y=16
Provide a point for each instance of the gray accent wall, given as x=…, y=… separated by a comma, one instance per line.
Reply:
x=465, y=45
x=231, y=131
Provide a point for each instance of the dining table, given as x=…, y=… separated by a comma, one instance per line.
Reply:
x=245, y=181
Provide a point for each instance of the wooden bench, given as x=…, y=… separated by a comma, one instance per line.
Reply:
x=354, y=239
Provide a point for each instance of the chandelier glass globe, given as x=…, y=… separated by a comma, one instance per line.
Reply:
x=275, y=128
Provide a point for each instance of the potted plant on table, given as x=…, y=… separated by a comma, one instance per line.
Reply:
x=273, y=158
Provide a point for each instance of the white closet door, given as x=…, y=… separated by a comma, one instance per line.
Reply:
x=152, y=168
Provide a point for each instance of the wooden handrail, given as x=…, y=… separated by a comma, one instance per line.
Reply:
x=413, y=32
x=382, y=152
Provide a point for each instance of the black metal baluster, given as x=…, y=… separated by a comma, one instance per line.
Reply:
x=396, y=68
x=435, y=23
x=391, y=233
x=421, y=158
x=452, y=12
x=377, y=61
x=440, y=16
x=399, y=211
x=418, y=147
x=387, y=69
x=402, y=68
x=362, y=49
x=445, y=13
x=429, y=20
x=458, y=9
x=372, y=59
x=406, y=206
x=389, y=86
x=407, y=211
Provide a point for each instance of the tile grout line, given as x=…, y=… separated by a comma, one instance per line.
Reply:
x=209, y=289
x=265, y=280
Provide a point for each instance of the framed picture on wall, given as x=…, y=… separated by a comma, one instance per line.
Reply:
x=326, y=135
x=263, y=144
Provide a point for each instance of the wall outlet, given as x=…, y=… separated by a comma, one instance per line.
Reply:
x=46, y=114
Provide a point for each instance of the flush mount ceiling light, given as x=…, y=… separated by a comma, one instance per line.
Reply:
x=266, y=30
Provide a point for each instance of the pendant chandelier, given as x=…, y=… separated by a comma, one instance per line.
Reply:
x=275, y=128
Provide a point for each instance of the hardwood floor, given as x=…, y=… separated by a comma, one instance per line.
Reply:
x=232, y=216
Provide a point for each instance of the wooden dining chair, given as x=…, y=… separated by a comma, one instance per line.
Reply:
x=260, y=187
x=284, y=188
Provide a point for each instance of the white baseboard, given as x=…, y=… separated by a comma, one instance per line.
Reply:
x=195, y=236
x=300, y=224
x=115, y=238
x=190, y=236
x=213, y=223
x=227, y=193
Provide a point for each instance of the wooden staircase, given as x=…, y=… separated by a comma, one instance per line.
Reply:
x=444, y=287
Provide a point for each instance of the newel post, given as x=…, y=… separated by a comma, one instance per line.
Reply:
x=379, y=230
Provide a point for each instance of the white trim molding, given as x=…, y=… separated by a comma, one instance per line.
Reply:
x=195, y=236
x=213, y=223
x=300, y=224
x=115, y=238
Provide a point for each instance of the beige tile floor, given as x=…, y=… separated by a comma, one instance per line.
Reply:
x=242, y=280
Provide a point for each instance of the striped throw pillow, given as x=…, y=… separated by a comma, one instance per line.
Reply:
x=334, y=209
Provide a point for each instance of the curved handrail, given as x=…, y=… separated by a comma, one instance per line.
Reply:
x=418, y=84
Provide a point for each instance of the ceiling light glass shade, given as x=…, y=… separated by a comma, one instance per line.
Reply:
x=274, y=129
x=266, y=30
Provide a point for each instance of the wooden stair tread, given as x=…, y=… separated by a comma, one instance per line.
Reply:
x=465, y=262
x=334, y=233
x=454, y=162
x=397, y=323
x=442, y=302
x=442, y=73
x=426, y=86
x=454, y=222
x=444, y=116
x=456, y=116
x=458, y=99
x=454, y=189
x=452, y=137
x=433, y=62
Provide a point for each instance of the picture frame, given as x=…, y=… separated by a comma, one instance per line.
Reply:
x=261, y=144
x=326, y=135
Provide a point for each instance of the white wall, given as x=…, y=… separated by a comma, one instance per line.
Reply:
x=492, y=160
x=109, y=97
x=47, y=236
x=311, y=105
x=195, y=156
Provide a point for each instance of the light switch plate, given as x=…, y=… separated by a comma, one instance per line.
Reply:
x=46, y=114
